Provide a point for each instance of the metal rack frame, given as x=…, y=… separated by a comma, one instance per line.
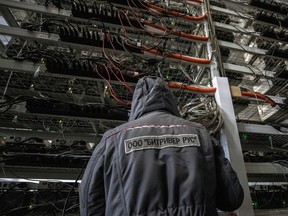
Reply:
x=229, y=136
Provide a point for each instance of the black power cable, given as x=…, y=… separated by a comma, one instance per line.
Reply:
x=67, y=199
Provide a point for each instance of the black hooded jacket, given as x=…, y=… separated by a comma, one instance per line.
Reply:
x=157, y=164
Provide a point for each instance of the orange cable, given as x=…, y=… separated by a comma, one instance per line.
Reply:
x=197, y=1
x=111, y=90
x=178, y=33
x=191, y=87
x=178, y=56
x=259, y=96
x=175, y=13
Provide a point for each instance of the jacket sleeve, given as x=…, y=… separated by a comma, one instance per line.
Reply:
x=229, y=192
x=91, y=191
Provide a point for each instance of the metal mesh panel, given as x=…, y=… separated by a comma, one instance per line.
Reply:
x=249, y=114
x=264, y=139
x=55, y=124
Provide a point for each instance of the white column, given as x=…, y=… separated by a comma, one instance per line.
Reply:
x=230, y=140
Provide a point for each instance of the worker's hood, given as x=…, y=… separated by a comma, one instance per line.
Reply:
x=152, y=94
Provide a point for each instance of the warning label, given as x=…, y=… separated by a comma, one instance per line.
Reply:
x=159, y=142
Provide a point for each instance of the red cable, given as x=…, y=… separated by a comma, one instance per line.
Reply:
x=119, y=17
x=191, y=88
x=197, y=1
x=111, y=90
x=175, y=13
x=178, y=56
x=259, y=96
x=181, y=34
x=107, y=35
x=134, y=14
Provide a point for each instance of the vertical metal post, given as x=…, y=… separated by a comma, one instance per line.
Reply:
x=230, y=140
x=7, y=84
x=209, y=31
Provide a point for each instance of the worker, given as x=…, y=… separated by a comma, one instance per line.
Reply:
x=158, y=164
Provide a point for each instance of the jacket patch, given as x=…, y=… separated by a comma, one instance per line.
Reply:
x=159, y=142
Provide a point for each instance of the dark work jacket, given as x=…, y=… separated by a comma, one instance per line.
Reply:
x=157, y=164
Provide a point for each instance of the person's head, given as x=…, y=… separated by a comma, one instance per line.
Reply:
x=152, y=94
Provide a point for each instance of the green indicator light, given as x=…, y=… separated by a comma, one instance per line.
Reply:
x=254, y=204
x=167, y=77
x=245, y=136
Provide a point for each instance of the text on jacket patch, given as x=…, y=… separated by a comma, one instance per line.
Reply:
x=159, y=142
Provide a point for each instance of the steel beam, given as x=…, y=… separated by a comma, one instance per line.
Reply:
x=230, y=140
x=34, y=35
x=39, y=172
x=266, y=169
x=247, y=70
x=259, y=169
x=261, y=148
x=9, y=17
x=14, y=92
x=229, y=12
x=43, y=37
x=243, y=48
x=251, y=50
x=40, y=69
x=25, y=67
x=36, y=8
x=259, y=129
x=45, y=135
x=267, y=178
x=230, y=28
x=264, y=212
x=269, y=212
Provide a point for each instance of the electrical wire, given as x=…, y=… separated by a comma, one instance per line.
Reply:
x=180, y=57
x=75, y=183
x=178, y=33
x=193, y=1
x=175, y=13
x=204, y=90
x=180, y=67
x=259, y=96
x=111, y=90
x=123, y=82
